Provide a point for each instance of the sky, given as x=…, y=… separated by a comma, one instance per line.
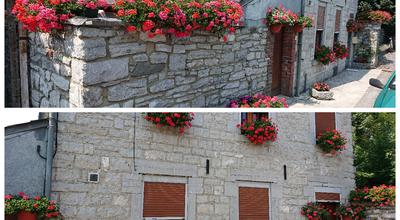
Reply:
x=16, y=116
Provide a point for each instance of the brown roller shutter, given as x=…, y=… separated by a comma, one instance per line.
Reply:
x=253, y=203
x=164, y=200
x=324, y=120
x=327, y=196
x=337, y=21
x=321, y=17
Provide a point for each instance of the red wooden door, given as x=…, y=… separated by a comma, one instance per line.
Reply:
x=277, y=64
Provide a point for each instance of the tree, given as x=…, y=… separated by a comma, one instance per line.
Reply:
x=374, y=148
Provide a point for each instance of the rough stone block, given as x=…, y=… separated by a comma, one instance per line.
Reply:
x=117, y=50
x=100, y=71
x=86, y=49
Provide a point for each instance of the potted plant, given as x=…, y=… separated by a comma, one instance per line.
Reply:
x=363, y=55
x=277, y=17
x=353, y=26
x=341, y=51
x=259, y=131
x=10, y=207
x=303, y=21
x=27, y=210
x=321, y=91
x=325, y=55
x=313, y=211
x=258, y=101
x=331, y=142
x=91, y=7
x=379, y=17
x=179, y=120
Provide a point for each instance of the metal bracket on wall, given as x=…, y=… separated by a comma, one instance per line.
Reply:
x=38, y=149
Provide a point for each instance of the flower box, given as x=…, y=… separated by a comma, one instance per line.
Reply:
x=321, y=95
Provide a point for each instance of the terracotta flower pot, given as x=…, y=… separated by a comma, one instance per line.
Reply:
x=346, y=217
x=24, y=215
x=276, y=28
x=298, y=28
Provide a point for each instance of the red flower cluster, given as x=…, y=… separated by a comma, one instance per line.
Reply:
x=280, y=15
x=48, y=15
x=380, y=16
x=258, y=101
x=331, y=141
x=322, y=87
x=39, y=205
x=259, y=131
x=179, y=120
x=314, y=211
x=325, y=55
x=341, y=51
x=352, y=211
x=354, y=26
x=179, y=18
x=377, y=196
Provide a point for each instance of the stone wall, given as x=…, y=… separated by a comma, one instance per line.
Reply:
x=126, y=150
x=95, y=63
x=370, y=37
x=385, y=213
x=311, y=70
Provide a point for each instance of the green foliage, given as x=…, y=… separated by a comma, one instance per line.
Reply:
x=365, y=6
x=374, y=148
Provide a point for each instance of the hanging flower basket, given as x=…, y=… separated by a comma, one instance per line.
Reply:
x=179, y=120
x=259, y=131
x=298, y=28
x=331, y=142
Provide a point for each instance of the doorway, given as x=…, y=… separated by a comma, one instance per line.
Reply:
x=277, y=64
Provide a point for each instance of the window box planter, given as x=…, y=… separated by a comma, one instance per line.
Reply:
x=321, y=95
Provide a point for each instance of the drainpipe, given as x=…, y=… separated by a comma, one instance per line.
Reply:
x=299, y=51
x=51, y=131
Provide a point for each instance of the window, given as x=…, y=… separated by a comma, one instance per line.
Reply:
x=323, y=121
x=337, y=26
x=320, y=27
x=250, y=116
x=253, y=203
x=164, y=200
x=329, y=200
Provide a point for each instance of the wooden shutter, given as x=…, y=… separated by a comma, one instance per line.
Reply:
x=321, y=17
x=253, y=203
x=337, y=21
x=164, y=200
x=327, y=196
x=324, y=120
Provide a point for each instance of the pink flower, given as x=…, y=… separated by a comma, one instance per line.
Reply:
x=163, y=15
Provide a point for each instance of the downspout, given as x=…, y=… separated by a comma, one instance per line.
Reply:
x=51, y=132
x=299, y=51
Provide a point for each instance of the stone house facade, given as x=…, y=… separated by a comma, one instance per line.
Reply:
x=120, y=166
x=95, y=63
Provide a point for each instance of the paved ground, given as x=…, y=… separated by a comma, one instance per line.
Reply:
x=351, y=88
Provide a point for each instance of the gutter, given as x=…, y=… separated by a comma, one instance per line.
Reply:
x=51, y=134
x=299, y=51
